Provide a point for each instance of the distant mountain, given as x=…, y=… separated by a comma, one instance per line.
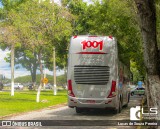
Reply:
x=5, y=80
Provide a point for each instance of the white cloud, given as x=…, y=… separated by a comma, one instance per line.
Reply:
x=5, y=68
x=58, y=72
x=57, y=1
x=3, y=54
x=18, y=72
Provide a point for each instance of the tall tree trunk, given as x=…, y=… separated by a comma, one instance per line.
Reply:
x=33, y=75
x=54, y=72
x=41, y=70
x=12, y=68
x=147, y=16
x=34, y=69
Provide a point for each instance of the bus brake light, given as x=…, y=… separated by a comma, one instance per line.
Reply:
x=110, y=37
x=70, y=90
x=113, y=90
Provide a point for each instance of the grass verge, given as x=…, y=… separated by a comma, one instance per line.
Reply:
x=24, y=101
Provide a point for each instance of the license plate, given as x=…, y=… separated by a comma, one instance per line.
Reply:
x=90, y=101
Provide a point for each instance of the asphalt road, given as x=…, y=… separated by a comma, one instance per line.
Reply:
x=65, y=113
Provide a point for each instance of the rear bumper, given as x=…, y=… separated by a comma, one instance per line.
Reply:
x=99, y=103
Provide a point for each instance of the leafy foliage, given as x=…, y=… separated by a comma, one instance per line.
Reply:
x=111, y=18
x=40, y=27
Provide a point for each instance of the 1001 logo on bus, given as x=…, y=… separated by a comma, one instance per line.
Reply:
x=92, y=44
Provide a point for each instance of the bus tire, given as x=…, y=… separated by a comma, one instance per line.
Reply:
x=132, y=93
x=128, y=97
x=78, y=110
x=120, y=106
x=126, y=105
x=116, y=111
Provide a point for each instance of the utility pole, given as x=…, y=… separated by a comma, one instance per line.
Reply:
x=12, y=69
x=54, y=72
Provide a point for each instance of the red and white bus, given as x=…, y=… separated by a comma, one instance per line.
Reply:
x=96, y=77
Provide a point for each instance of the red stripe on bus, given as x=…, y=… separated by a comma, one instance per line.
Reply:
x=91, y=53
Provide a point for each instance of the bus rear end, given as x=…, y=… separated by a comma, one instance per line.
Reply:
x=92, y=72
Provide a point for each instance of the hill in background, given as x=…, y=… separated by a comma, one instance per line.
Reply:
x=61, y=80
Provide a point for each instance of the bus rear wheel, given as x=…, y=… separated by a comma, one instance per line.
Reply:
x=79, y=110
x=116, y=111
x=120, y=106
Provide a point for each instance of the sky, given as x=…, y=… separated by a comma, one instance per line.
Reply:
x=5, y=68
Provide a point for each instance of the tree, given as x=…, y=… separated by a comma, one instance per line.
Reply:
x=9, y=36
x=39, y=26
x=146, y=11
x=9, y=33
x=28, y=59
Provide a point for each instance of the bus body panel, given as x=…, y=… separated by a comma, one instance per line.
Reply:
x=93, y=68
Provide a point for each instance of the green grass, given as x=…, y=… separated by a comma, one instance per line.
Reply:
x=24, y=101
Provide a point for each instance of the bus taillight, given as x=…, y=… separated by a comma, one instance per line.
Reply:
x=113, y=90
x=70, y=90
